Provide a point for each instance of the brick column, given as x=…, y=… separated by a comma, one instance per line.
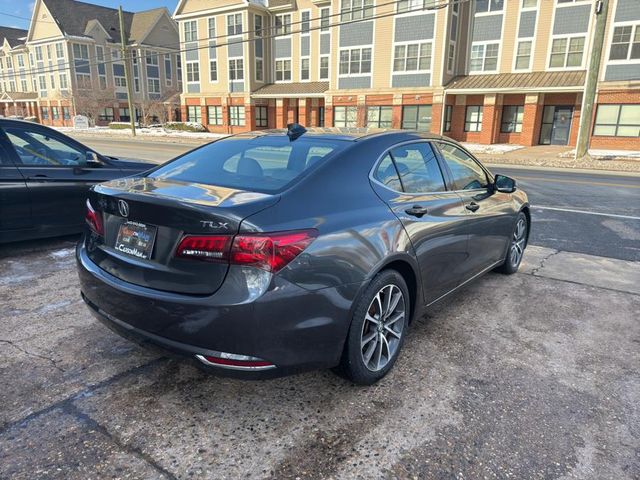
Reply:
x=436, y=114
x=281, y=112
x=457, y=117
x=531, y=120
x=575, y=121
x=489, y=120
x=304, y=114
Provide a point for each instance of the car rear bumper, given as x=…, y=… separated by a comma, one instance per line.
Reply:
x=290, y=327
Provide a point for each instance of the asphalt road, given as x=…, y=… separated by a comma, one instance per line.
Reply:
x=592, y=213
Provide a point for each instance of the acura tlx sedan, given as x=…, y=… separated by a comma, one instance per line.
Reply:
x=274, y=252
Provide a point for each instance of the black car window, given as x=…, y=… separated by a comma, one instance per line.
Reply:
x=387, y=174
x=467, y=174
x=262, y=164
x=37, y=148
x=418, y=168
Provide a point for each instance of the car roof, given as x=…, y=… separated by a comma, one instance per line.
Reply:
x=345, y=134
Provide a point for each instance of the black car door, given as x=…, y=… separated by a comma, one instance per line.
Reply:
x=409, y=179
x=490, y=212
x=15, y=208
x=57, y=175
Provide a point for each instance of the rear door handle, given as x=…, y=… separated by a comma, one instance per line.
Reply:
x=473, y=206
x=417, y=211
x=38, y=178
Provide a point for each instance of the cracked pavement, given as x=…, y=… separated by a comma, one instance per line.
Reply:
x=534, y=375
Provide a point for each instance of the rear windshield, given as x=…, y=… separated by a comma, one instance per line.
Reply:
x=262, y=164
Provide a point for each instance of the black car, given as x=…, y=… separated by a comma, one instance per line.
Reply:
x=44, y=179
x=272, y=252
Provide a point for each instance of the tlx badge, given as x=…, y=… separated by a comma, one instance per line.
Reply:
x=212, y=224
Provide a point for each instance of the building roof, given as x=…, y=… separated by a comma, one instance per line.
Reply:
x=15, y=36
x=293, y=89
x=14, y=96
x=72, y=17
x=563, y=80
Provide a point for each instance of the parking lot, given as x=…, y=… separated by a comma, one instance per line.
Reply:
x=529, y=376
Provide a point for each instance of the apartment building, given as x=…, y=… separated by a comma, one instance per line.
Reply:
x=70, y=60
x=486, y=71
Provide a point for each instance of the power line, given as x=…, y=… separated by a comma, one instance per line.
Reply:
x=49, y=70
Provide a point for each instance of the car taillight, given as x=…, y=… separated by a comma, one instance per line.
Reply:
x=268, y=251
x=94, y=219
x=205, y=247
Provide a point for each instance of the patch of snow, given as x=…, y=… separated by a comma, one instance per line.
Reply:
x=63, y=253
x=496, y=148
x=605, y=154
x=147, y=132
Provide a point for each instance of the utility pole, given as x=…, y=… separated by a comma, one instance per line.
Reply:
x=582, y=147
x=127, y=72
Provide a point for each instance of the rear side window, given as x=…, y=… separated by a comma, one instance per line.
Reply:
x=418, y=168
x=387, y=174
x=261, y=164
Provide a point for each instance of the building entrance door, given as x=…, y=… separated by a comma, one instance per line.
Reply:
x=556, y=125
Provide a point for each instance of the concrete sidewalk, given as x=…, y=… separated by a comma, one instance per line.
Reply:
x=533, y=375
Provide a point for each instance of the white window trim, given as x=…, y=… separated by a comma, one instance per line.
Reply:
x=255, y=70
x=227, y=16
x=186, y=75
x=455, y=47
x=370, y=19
x=275, y=31
x=358, y=47
x=569, y=4
x=244, y=70
x=217, y=70
x=215, y=27
x=328, y=57
x=301, y=59
x=531, y=54
x=627, y=61
x=305, y=34
x=411, y=72
x=183, y=33
x=417, y=11
x=484, y=57
x=582, y=65
x=528, y=9
x=490, y=12
x=283, y=59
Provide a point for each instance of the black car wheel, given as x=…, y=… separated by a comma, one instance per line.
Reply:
x=377, y=330
x=517, y=244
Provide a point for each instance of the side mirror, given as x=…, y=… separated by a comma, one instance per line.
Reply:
x=504, y=184
x=92, y=160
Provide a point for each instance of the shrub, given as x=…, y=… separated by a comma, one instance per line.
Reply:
x=185, y=126
x=120, y=125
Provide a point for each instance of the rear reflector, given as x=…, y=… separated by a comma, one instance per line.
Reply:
x=94, y=219
x=230, y=360
x=268, y=251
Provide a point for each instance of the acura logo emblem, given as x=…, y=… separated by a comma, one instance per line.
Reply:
x=123, y=208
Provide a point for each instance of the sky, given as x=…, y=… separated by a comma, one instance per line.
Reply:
x=11, y=9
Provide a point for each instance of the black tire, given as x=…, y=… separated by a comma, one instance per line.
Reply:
x=352, y=365
x=512, y=261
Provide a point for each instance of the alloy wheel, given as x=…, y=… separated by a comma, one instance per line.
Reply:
x=382, y=327
x=518, y=242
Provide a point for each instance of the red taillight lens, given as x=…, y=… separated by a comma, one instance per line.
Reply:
x=271, y=252
x=94, y=219
x=205, y=247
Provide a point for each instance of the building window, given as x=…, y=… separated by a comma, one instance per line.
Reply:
x=154, y=85
x=529, y=3
x=523, y=55
x=103, y=82
x=451, y=56
x=167, y=68
x=193, y=113
x=416, y=117
x=59, y=50
x=473, y=118
x=566, y=52
x=512, y=116
x=79, y=52
x=120, y=81
x=42, y=82
x=355, y=61
x=412, y=57
x=66, y=114
x=193, y=72
x=617, y=121
x=489, y=5
x=622, y=45
x=24, y=85
x=379, y=117
x=151, y=57
x=257, y=25
x=236, y=116
x=345, y=116
x=211, y=23
x=304, y=69
x=413, y=5
x=39, y=57
x=63, y=81
x=236, y=69
x=191, y=31
x=283, y=24
x=106, y=115
x=305, y=21
x=259, y=70
x=213, y=71
x=214, y=115
x=234, y=24
x=324, y=68
x=261, y=116
x=45, y=113
x=325, y=20
x=356, y=10
x=484, y=57
x=20, y=61
x=283, y=70
x=448, y=113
